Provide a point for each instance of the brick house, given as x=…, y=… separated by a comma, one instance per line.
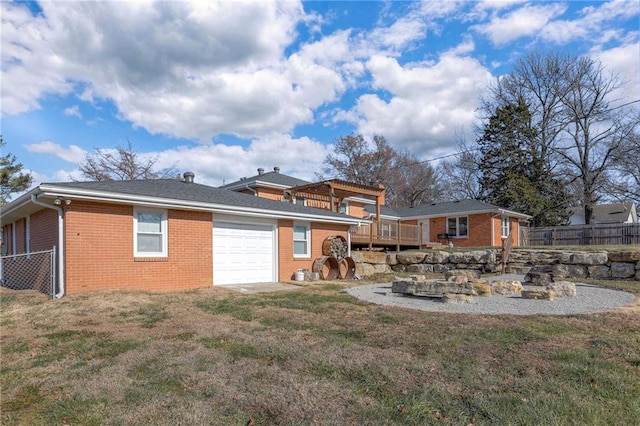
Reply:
x=463, y=223
x=166, y=234
x=331, y=194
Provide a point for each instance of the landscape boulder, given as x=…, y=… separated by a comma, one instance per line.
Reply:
x=410, y=257
x=430, y=288
x=584, y=258
x=481, y=287
x=505, y=287
x=436, y=257
x=569, y=271
x=599, y=272
x=538, y=293
x=418, y=268
x=562, y=288
x=457, y=298
x=474, y=256
x=538, y=277
x=622, y=270
x=465, y=273
x=624, y=256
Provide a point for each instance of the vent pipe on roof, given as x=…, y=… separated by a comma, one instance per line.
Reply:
x=260, y=171
x=188, y=177
x=276, y=169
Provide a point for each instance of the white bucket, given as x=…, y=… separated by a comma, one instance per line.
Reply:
x=299, y=275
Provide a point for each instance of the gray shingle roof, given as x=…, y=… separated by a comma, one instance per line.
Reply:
x=612, y=213
x=440, y=209
x=274, y=178
x=174, y=189
x=607, y=213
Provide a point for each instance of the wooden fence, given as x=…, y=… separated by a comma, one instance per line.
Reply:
x=581, y=235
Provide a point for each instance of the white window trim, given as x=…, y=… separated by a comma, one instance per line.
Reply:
x=164, y=229
x=503, y=227
x=308, y=239
x=346, y=207
x=457, y=218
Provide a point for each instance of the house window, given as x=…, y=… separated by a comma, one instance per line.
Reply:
x=150, y=233
x=300, y=201
x=344, y=208
x=506, y=226
x=301, y=240
x=457, y=226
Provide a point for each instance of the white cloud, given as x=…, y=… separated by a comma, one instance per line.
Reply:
x=72, y=153
x=429, y=102
x=183, y=69
x=215, y=164
x=624, y=62
x=73, y=111
x=593, y=22
x=525, y=21
x=29, y=69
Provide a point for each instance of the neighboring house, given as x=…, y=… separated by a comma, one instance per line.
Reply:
x=619, y=213
x=463, y=223
x=166, y=234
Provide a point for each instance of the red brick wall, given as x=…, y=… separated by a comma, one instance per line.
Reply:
x=288, y=265
x=21, y=235
x=480, y=231
x=44, y=230
x=7, y=239
x=99, y=251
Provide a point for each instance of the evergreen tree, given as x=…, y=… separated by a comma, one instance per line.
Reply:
x=12, y=179
x=514, y=174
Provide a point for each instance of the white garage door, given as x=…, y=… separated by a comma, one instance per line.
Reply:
x=242, y=253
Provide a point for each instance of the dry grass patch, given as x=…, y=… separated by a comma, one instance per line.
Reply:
x=310, y=356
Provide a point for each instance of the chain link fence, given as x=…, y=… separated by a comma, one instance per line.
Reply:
x=29, y=271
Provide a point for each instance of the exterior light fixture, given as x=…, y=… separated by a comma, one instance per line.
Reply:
x=58, y=201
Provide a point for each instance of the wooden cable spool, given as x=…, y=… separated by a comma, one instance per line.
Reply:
x=347, y=268
x=335, y=246
x=330, y=264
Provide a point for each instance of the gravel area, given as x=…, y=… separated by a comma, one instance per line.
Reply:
x=588, y=300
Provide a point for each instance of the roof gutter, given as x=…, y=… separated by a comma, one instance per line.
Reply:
x=34, y=200
x=181, y=204
x=255, y=193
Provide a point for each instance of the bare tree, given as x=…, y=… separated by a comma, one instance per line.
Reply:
x=414, y=182
x=577, y=133
x=624, y=178
x=122, y=163
x=596, y=132
x=406, y=180
x=459, y=176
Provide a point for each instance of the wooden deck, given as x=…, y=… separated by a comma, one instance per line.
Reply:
x=389, y=234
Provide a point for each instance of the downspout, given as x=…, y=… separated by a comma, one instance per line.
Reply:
x=255, y=193
x=35, y=201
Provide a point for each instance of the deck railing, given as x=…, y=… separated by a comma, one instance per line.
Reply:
x=387, y=233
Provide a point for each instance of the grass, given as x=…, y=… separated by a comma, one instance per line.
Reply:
x=306, y=357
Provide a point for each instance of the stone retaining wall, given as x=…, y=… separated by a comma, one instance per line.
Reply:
x=560, y=263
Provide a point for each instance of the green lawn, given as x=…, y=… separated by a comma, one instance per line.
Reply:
x=306, y=357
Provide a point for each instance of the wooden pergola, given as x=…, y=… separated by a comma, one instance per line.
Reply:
x=335, y=190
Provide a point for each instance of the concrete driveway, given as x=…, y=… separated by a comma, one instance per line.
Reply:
x=261, y=287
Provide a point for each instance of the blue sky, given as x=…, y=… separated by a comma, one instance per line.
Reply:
x=222, y=88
